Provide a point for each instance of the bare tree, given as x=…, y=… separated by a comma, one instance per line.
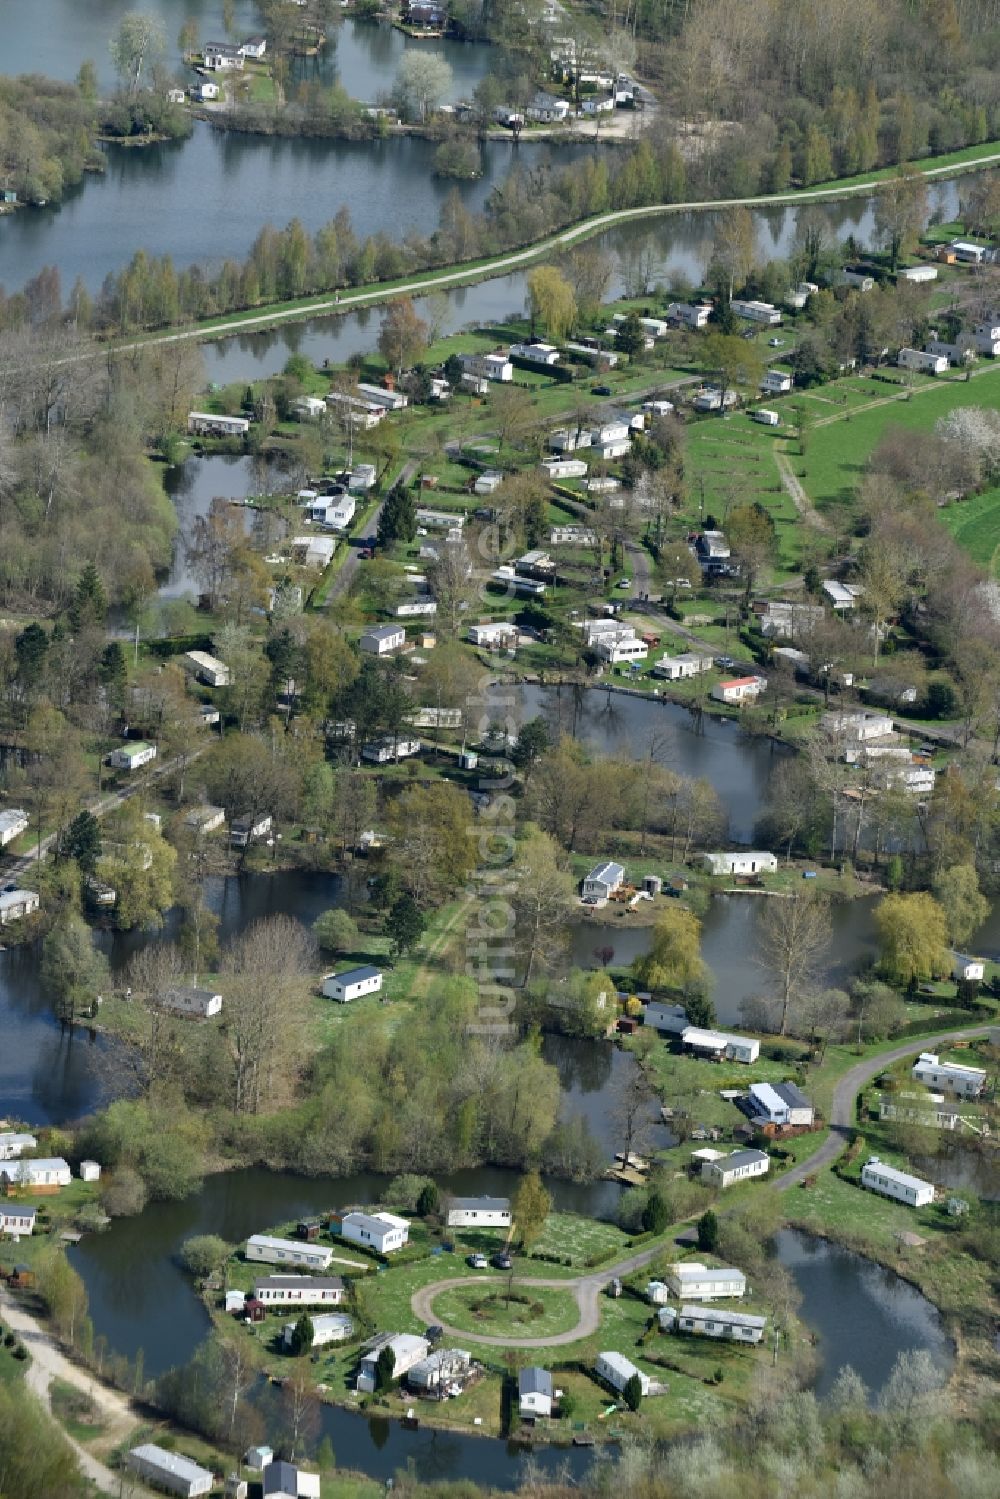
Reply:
x=268, y=965
x=792, y=938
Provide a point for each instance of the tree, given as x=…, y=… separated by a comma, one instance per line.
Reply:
x=403, y=337
x=674, y=957
x=752, y=537
x=303, y=1334
x=631, y=336
x=900, y=211
x=793, y=936
x=632, y=1393
x=965, y=907
x=551, y=301
x=421, y=83
x=140, y=39
x=398, y=520
x=735, y=361
x=912, y=931
x=429, y=1200
x=204, y=1254
x=269, y=965
x=138, y=862
x=733, y=250
x=530, y=1207
x=656, y=1213
x=708, y=1232
x=632, y=1110
x=404, y=925
x=73, y=970
x=82, y=841
x=336, y=931
x=542, y=896
x=385, y=1369
x=532, y=742
x=90, y=602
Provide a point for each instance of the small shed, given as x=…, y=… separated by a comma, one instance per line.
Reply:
x=235, y=1302
x=90, y=1171
x=254, y=1310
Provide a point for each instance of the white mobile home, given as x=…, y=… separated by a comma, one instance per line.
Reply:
x=967, y=970
x=132, y=756
x=713, y=1322
x=721, y=1044
x=690, y=315
x=169, y=1471
x=695, y=1282
x=670, y=1020
x=249, y=829
x=766, y=417
x=780, y=1103
x=499, y=633
x=13, y=823
x=740, y=861
x=299, y=1290
x=479, y=1212
x=383, y=1232
x=206, y=668
x=917, y=273
x=274, y=1251
x=616, y=1370
x=328, y=1327
x=776, y=383
x=751, y=311
x=604, y=880
x=738, y=690
x=13, y=1144
x=569, y=439
x=740, y=1166
x=889, y=1182
x=534, y=1393
x=440, y=1369
x=44, y=1175
x=353, y=984
x=209, y=424
x=953, y=1077
x=679, y=668
x=487, y=366
x=382, y=640
x=407, y=1350
x=204, y=820
x=15, y=904
x=17, y=1220
x=564, y=468
x=922, y=362
x=204, y=1003
x=616, y=651
x=386, y=751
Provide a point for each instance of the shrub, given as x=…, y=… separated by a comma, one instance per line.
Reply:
x=632, y=1393
x=708, y=1232
x=203, y=1254
x=124, y=1194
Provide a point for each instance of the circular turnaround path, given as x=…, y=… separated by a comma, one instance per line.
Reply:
x=587, y=1288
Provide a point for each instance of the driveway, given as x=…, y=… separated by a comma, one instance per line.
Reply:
x=842, y=1120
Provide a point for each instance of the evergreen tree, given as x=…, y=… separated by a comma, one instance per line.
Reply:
x=90, y=602
x=632, y=1393
x=708, y=1232
x=31, y=649
x=429, y=1201
x=303, y=1334
x=656, y=1214
x=385, y=1369
x=404, y=925
x=398, y=521
x=82, y=841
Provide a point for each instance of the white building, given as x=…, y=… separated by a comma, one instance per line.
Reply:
x=603, y=880
x=968, y=253
x=780, y=1103
x=857, y=727
x=695, y=1282
x=90, y=1171
x=721, y=1044
x=539, y=353
x=953, y=1077
x=570, y=439
x=889, y=1182
x=212, y=424
x=776, y=383
x=223, y=57
x=254, y=47
x=206, y=668
x=713, y=1322
x=440, y=520
x=313, y=551
x=382, y=640
x=13, y=823
x=15, y=904
x=407, y=1349
x=132, y=756
x=479, y=1212
x=204, y=1003
x=498, y=633
x=738, y=690
x=751, y=311
x=440, y=1369
x=922, y=362
x=273, y=1251
x=487, y=366
x=392, y=400
x=389, y=750
x=690, y=315
x=614, y=651
x=741, y=861
x=299, y=1290
x=13, y=1144
x=679, y=668
x=564, y=468
x=46, y=1174
x=967, y=970
x=488, y=482
x=383, y=1232
x=169, y=1471
x=766, y=417
x=334, y=511
x=328, y=1327
x=17, y=1220
x=917, y=273
x=204, y=820
x=534, y=1393
x=740, y=1166
x=841, y=595
x=669, y=1020
x=616, y=1370
x=353, y=984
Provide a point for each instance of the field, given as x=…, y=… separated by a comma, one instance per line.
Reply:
x=837, y=451
x=529, y=1312
x=975, y=525
x=731, y=462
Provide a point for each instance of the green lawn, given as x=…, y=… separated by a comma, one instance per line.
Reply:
x=975, y=525
x=531, y=1312
x=584, y=1241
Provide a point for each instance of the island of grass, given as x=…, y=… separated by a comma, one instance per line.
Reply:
x=507, y=1311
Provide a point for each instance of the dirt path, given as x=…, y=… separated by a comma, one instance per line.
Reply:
x=800, y=499
x=47, y=1364
x=846, y=1092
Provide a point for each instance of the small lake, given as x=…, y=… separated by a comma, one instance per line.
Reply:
x=861, y=1313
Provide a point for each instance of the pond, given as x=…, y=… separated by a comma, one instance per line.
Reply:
x=861, y=1313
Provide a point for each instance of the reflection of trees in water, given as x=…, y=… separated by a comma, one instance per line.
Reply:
x=583, y=1066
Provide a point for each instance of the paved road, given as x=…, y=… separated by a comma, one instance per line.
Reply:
x=345, y=577
x=842, y=1116
x=47, y=1364
x=500, y=264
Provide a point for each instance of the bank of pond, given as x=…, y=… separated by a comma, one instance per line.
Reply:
x=141, y=1299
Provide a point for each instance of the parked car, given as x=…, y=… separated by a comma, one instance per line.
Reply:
x=434, y=1333
x=624, y=583
x=477, y=1261
x=502, y=1261
x=725, y=663
x=600, y=390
